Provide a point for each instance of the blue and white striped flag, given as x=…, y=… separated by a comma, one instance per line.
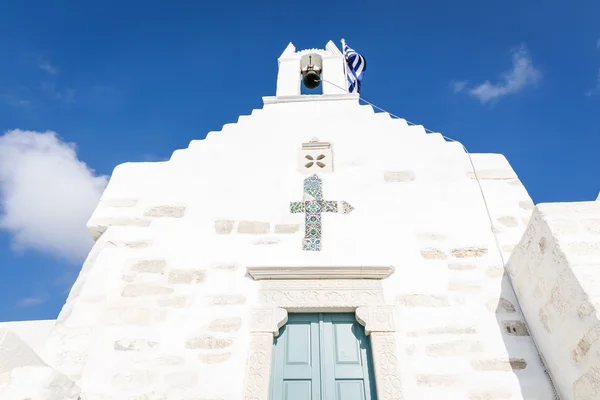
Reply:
x=356, y=67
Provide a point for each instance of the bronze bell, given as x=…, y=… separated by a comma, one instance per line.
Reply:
x=312, y=79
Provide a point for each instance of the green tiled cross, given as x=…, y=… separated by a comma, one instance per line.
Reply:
x=313, y=205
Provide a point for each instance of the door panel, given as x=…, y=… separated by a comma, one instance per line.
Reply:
x=297, y=357
x=322, y=356
x=350, y=390
x=297, y=390
x=347, y=354
x=296, y=360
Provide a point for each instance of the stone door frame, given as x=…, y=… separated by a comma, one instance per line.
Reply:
x=324, y=289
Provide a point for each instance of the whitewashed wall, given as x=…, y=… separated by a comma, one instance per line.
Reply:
x=24, y=375
x=556, y=273
x=161, y=306
x=33, y=333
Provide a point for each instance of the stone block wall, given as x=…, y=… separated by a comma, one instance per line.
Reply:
x=162, y=303
x=143, y=320
x=555, y=271
x=463, y=335
x=24, y=375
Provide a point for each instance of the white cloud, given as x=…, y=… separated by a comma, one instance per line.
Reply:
x=458, y=86
x=46, y=194
x=522, y=74
x=596, y=90
x=49, y=68
x=31, y=301
x=51, y=88
x=14, y=101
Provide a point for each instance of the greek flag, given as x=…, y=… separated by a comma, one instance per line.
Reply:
x=356, y=67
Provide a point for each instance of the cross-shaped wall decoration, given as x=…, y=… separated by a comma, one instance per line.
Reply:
x=313, y=205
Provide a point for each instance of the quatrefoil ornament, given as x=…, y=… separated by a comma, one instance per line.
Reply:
x=315, y=158
x=312, y=160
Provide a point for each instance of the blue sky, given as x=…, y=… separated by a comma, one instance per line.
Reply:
x=135, y=80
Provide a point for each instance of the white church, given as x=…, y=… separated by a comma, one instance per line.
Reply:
x=347, y=256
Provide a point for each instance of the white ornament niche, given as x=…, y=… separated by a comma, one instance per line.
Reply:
x=315, y=158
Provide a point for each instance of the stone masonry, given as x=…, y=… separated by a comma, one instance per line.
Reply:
x=555, y=272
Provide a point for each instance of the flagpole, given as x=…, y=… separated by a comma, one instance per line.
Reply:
x=345, y=64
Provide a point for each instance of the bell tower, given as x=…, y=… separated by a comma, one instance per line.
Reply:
x=311, y=68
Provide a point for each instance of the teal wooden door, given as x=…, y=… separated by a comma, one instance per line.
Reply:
x=296, y=360
x=322, y=357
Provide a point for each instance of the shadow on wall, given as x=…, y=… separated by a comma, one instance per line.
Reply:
x=523, y=359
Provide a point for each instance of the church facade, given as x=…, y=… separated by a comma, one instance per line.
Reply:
x=346, y=256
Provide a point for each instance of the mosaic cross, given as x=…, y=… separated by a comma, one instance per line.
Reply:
x=313, y=206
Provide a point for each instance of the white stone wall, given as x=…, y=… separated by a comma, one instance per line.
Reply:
x=25, y=376
x=33, y=333
x=162, y=304
x=555, y=270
